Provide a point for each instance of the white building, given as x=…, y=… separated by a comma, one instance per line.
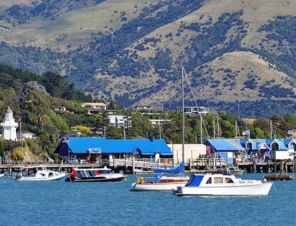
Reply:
x=158, y=121
x=191, y=152
x=120, y=121
x=9, y=126
x=96, y=105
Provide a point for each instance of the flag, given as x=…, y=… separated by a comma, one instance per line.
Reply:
x=18, y=120
x=246, y=133
x=290, y=132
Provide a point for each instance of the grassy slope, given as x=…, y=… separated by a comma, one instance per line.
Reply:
x=256, y=14
x=78, y=24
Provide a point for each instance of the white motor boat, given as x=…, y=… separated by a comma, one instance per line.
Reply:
x=234, y=170
x=2, y=174
x=222, y=185
x=160, y=182
x=39, y=173
x=93, y=175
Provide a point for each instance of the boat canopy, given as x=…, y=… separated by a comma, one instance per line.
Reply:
x=177, y=170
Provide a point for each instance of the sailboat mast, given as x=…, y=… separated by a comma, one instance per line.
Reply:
x=183, y=117
x=214, y=129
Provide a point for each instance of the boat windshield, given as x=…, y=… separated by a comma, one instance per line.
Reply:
x=229, y=181
x=90, y=173
x=195, y=180
x=103, y=171
x=80, y=174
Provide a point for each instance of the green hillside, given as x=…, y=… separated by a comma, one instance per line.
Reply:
x=238, y=56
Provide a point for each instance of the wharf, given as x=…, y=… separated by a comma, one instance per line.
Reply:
x=140, y=167
x=268, y=167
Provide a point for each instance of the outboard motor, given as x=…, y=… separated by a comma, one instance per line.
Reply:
x=18, y=176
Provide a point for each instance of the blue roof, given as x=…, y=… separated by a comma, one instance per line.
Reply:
x=243, y=142
x=281, y=144
x=226, y=144
x=142, y=146
x=232, y=145
x=289, y=142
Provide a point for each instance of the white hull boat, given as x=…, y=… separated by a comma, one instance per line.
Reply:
x=223, y=185
x=164, y=184
x=160, y=182
x=42, y=175
x=2, y=175
x=234, y=170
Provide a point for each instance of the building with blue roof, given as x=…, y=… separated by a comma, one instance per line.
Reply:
x=290, y=143
x=247, y=149
x=228, y=149
x=93, y=148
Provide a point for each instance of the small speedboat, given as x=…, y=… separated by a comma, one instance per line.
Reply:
x=222, y=185
x=2, y=174
x=93, y=175
x=234, y=170
x=39, y=173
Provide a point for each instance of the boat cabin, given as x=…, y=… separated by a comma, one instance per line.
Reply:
x=210, y=179
x=82, y=173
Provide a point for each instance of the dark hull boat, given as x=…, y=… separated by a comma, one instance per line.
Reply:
x=94, y=175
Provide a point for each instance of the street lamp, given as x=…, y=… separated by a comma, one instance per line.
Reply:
x=21, y=136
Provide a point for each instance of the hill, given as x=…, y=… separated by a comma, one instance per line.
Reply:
x=238, y=55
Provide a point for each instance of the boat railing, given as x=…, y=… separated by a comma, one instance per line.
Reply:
x=210, y=162
x=139, y=164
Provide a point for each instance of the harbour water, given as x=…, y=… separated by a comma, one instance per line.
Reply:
x=111, y=203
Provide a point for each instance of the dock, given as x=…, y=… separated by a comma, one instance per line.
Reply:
x=136, y=166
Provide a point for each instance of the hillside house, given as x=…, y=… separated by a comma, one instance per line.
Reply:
x=148, y=109
x=120, y=121
x=102, y=106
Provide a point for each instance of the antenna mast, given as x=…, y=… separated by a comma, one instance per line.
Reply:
x=183, y=117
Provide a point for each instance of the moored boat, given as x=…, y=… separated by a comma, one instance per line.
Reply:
x=222, y=185
x=39, y=173
x=234, y=170
x=162, y=182
x=93, y=175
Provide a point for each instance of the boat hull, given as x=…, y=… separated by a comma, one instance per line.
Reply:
x=237, y=172
x=156, y=186
x=95, y=179
x=41, y=179
x=231, y=190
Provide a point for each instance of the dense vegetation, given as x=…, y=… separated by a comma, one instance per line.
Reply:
x=40, y=114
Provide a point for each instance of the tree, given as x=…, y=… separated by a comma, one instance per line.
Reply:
x=259, y=133
x=44, y=141
x=228, y=129
x=115, y=133
x=290, y=119
x=263, y=124
x=83, y=129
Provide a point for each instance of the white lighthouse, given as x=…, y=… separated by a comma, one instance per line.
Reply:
x=9, y=126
